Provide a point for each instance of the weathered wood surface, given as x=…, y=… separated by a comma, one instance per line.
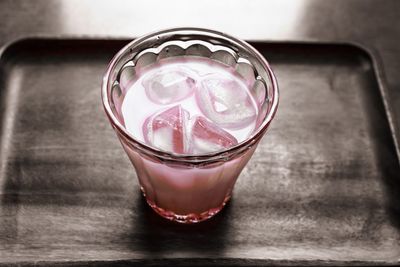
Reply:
x=322, y=187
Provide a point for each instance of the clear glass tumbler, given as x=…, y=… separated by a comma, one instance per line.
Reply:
x=189, y=188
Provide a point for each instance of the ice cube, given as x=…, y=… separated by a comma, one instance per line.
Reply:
x=207, y=137
x=169, y=85
x=225, y=101
x=166, y=130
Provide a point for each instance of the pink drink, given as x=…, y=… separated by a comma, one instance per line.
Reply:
x=189, y=113
x=208, y=104
x=189, y=106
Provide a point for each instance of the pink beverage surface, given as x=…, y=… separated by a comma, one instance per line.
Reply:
x=189, y=105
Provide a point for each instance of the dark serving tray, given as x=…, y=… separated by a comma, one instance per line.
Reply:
x=323, y=187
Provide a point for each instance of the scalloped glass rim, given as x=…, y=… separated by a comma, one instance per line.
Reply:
x=192, y=159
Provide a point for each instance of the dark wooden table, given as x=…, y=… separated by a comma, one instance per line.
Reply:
x=75, y=217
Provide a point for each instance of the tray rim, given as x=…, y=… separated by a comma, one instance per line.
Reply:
x=371, y=53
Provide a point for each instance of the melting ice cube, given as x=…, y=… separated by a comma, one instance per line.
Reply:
x=207, y=137
x=225, y=101
x=166, y=130
x=169, y=85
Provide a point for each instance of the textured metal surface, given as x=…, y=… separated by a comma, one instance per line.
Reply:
x=322, y=188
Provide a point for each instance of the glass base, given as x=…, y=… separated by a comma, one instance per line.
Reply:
x=187, y=218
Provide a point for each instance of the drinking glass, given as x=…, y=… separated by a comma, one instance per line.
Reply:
x=188, y=188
